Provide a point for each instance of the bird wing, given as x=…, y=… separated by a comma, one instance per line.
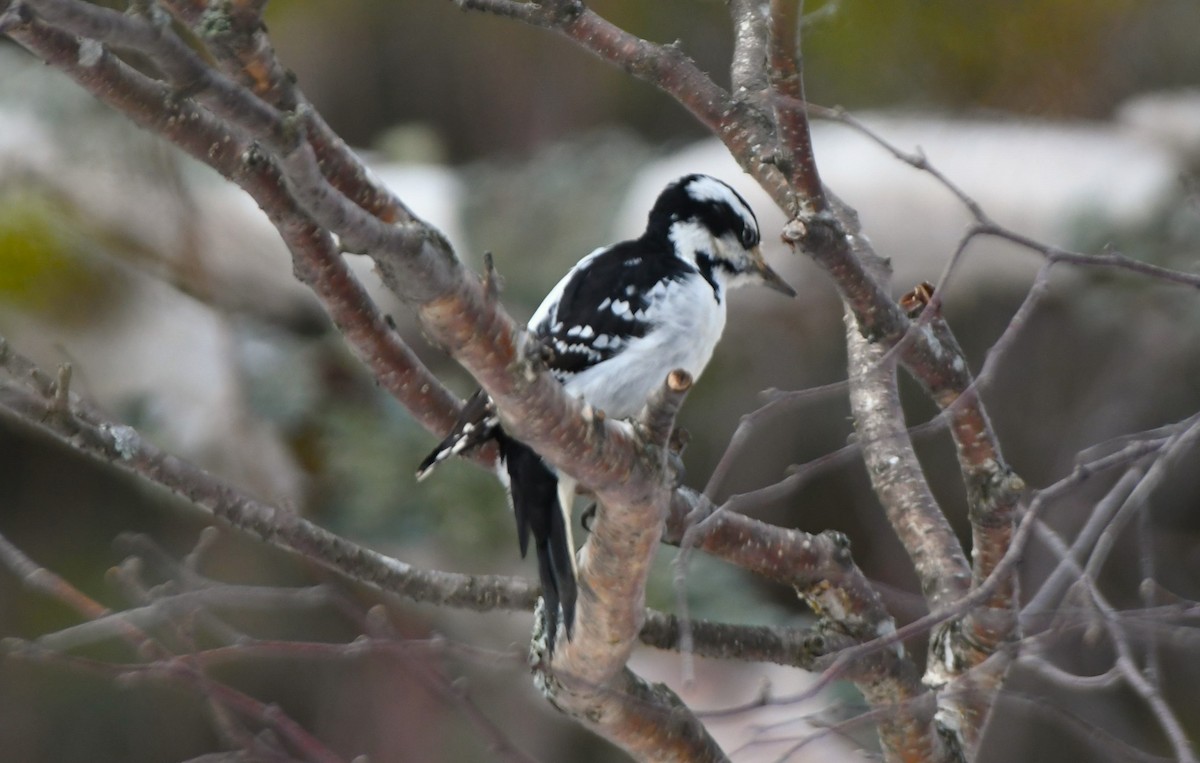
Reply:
x=602, y=304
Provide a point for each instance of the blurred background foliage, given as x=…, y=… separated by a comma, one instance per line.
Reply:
x=115, y=256
x=428, y=62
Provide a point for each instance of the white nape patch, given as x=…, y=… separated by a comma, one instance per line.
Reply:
x=705, y=188
x=690, y=237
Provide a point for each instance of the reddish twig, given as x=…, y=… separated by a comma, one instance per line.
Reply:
x=795, y=152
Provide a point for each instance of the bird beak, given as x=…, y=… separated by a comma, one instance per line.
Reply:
x=770, y=278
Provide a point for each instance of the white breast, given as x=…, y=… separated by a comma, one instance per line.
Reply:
x=687, y=325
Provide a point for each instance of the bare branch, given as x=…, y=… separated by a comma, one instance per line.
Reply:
x=777, y=403
x=452, y=692
x=739, y=123
x=658, y=418
x=236, y=36
x=521, y=10
x=897, y=476
x=1039, y=504
x=34, y=576
x=317, y=259
x=587, y=677
x=821, y=570
x=223, y=698
x=782, y=646
x=1126, y=666
x=748, y=67
x=91, y=434
x=795, y=157
x=985, y=225
x=1179, y=444
x=1052, y=588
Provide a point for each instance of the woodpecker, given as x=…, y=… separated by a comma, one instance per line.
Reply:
x=615, y=326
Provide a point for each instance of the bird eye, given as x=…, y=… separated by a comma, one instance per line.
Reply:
x=749, y=238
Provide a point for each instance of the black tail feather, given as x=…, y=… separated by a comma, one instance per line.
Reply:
x=437, y=455
x=561, y=564
x=476, y=425
x=534, y=490
x=535, y=504
x=549, y=595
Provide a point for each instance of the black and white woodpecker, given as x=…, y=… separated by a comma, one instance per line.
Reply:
x=616, y=325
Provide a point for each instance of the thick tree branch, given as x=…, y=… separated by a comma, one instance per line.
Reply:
x=831, y=239
x=830, y=235
x=897, y=476
x=752, y=643
x=35, y=402
x=651, y=722
x=31, y=396
x=236, y=36
x=823, y=574
x=254, y=126
x=748, y=66
x=586, y=677
x=933, y=357
x=317, y=259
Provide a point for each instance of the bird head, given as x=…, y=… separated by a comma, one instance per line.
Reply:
x=710, y=224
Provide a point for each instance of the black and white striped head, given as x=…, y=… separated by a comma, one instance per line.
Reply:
x=711, y=225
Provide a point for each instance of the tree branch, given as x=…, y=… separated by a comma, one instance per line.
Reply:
x=748, y=66
x=740, y=122
x=897, y=477
x=317, y=259
x=795, y=152
x=33, y=398
x=222, y=699
x=586, y=677
x=821, y=570
x=28, y=393
x=236, y=36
